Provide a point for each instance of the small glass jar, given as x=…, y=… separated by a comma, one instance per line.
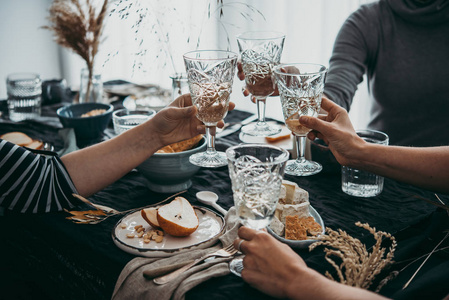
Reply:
x=180, y=85
x=96, y=88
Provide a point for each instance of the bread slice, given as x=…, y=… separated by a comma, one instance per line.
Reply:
x=150, y=215
x=186, y=144
x=178, y=218
x=166, y=149
x=17, y=138
x=36, y=145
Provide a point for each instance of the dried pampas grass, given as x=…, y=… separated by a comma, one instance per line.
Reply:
x=76, y=25
x=358, y=267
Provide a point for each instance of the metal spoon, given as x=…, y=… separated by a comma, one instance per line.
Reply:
x=210, y=198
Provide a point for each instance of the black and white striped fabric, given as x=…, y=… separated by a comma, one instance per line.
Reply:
x=33, y=183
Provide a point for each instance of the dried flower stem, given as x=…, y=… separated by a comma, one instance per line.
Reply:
x=428, y=256
x=358, y=267
x=110, y=211
x=77, y=26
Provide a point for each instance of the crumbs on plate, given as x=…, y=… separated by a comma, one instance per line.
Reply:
x=148, y=236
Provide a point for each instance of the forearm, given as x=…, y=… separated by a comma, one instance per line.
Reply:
x=312, y=285
x=424, y=167
x=96, y=167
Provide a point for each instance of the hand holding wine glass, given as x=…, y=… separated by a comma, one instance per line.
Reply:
x=256, y=172
x=300, y=88
x=260, y=51
x=210, y=75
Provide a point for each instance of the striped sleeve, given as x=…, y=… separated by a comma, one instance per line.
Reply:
x=33, y=183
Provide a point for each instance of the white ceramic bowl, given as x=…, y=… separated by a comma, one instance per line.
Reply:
x=171, y=172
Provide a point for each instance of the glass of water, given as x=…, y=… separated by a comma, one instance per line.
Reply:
x=24, y=96
x=125, y=119
x=360, y=183
x=256, y=172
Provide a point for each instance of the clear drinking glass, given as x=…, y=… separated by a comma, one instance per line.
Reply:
x=360, y=183
x=24, y=96
x=300, y=88
x=125, y=119
x=95, y=90
x=260, y=52
x=210, y=74
x=256, y=172
x=180, y=85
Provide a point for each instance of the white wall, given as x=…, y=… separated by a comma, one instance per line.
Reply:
x=24, y=46
x=310, y=25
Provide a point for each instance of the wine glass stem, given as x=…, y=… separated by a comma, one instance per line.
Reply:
x=210, y=138
x=300, y=148
x=261, y=103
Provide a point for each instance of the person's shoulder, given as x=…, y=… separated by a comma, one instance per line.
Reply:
x=370, y=12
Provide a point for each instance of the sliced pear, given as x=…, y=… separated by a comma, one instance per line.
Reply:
x=178, y=218
x=150, y=215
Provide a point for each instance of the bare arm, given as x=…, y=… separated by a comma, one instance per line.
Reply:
x=424, y=167
x=96, y=167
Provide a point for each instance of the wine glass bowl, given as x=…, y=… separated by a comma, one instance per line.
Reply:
x=260, y=52
x=300, y=89
x=256, y=172
x=210, y=75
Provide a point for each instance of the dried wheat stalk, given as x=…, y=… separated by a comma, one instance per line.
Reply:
x=358, y=267
x=76, y=25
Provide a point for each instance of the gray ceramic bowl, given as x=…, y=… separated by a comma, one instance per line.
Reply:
x=171, y=172
x=87, y=128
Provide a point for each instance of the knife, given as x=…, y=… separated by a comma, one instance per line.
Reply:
x=236, y=127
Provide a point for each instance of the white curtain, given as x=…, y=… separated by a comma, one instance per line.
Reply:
x=151, y=51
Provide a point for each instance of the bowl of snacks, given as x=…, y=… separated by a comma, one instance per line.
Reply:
x=89, y=120
x=169, y=169
x=295, y=223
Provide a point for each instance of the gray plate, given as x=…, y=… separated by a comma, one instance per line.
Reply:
x=305, y=243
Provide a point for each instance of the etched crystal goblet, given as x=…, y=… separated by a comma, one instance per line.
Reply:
x=260, y=52
x=256, y=172
x=300, y=89
x=210, y=75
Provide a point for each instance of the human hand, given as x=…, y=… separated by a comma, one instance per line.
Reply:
x=336, y=130
x=241, y=76
x=178, y=121
x=269, y=265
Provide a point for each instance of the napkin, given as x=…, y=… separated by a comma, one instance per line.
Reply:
x=132, y=284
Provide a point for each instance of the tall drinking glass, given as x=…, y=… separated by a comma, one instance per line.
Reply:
x=300, y=88
x=256, y=172
x=210, y=74
x=260, y=51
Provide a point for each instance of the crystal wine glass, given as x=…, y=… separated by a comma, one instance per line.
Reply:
x=210, y=74
x=256, y=172
x=260, y=51
x=300, y=89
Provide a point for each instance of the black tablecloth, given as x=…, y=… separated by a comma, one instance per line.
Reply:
x=47, y=256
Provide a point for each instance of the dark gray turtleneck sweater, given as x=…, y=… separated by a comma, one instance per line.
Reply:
x=403, y=48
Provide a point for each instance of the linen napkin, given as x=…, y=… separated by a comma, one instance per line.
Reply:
x=132, y=284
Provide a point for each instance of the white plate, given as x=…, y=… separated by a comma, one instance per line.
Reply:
x=304, y=243
x=156, y=102
x=211, y=227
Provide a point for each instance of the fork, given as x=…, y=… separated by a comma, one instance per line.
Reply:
x=225, y=252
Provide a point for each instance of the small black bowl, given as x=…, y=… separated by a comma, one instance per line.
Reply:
x=86, y=128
